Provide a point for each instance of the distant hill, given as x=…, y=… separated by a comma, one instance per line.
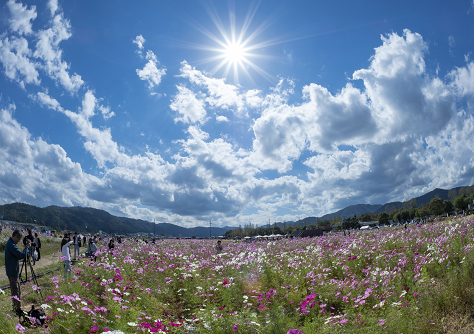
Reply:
x=359, y=209
x=92, y=220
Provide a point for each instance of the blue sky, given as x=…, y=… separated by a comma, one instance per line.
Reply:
x=235, y=112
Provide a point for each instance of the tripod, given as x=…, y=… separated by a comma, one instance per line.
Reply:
x=26, y=264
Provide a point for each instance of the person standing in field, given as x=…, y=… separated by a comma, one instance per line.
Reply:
x=77, y=244
x=32, y=247
x=219, y=247
x=92, y=248
x=37, y=246
x=65, y=243
x=12, y=267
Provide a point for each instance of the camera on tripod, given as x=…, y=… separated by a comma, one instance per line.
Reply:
x=25, y=242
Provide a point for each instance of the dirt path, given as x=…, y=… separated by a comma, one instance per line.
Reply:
x=44, y=262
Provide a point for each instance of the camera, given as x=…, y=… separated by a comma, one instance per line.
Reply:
x=26, y=240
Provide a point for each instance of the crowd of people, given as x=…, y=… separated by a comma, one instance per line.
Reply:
x=32, y=251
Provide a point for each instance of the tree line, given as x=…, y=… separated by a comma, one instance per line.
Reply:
x=409, y=211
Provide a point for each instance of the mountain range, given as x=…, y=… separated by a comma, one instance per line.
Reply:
x=89, y=220
x=92, y=220
x=357, y=210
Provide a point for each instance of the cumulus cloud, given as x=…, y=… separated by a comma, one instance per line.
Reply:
x=47, y=101
x=19, y=61
x=188, y=106
x=47, y=49
x=221, y=118
x=98, y=142
x=14, y=54
x=53, y=6
x=335, y=120
x=21, y=17
x=463, y=79
x=151, y=73
x=35, y=171
x=221, y=95
x=403, y=100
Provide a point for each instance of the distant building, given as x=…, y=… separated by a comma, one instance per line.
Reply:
x=372, y=223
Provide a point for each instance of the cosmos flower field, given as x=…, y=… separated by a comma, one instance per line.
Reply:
x=374, y=281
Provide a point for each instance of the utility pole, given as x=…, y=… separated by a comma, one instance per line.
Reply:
x=210, y=235
x=154, y=228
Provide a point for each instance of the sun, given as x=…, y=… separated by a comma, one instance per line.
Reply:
x=234, y=53
x=235, y=47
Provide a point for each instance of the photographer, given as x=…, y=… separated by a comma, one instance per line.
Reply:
x=12, y=266
x=32, y=245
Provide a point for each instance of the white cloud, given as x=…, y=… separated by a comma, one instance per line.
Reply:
x=47, y=101
x=188, y=106
x=14, y=54
x=221, y=95
x=53, y=6
x=463, y=79
x=151, y=73
x=139, y=41
x=88, y=104
x=36, y=172
x=47, y=49
x=106, y=112
x=253, y=99
x=334, y=120
x=21, y=17
x=98, y=141
x=221, y=118
x=403, y=100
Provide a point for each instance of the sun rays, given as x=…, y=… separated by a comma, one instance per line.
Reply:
x=235, y=50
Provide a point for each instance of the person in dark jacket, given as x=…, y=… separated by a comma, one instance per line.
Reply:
x=12, y=267
x=38, y=246
x=111, y=244
x=77, y=245
x=32, y=247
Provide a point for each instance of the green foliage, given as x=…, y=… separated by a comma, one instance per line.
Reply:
x=461, y=202
x=448, y=206
x=351, y=223
x=365, y=217
x=423, y=211
x=436, y=206
x=383, y=218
